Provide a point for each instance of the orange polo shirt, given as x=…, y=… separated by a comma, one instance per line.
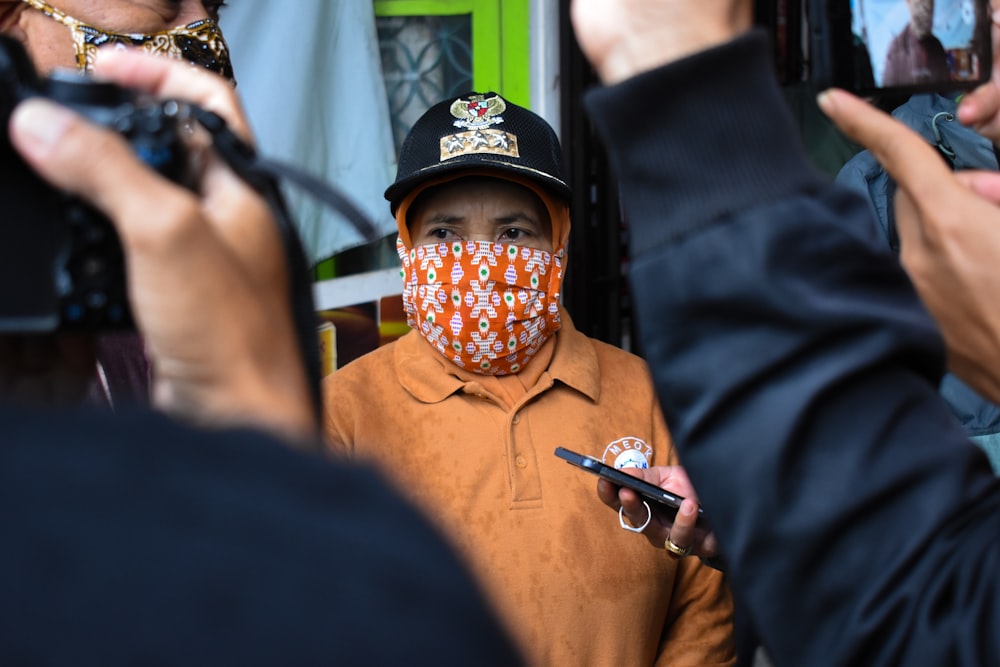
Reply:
x=572, y=587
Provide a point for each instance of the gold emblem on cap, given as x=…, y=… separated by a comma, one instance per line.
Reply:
x=478, y=111
x=476, y=114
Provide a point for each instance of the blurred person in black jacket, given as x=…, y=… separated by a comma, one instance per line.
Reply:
x=796, y=364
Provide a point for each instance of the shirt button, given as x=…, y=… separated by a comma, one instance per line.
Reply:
x=521, y=463
x=516, y=419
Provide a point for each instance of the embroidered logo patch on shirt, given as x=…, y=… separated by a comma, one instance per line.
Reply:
x=628, y=452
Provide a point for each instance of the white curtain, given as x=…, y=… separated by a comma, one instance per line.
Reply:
x=310, y=76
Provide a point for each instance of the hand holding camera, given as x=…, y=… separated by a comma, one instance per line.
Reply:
x=206, y=275
x=70, y=271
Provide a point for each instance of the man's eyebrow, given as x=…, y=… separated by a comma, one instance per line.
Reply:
x=516, y=216
x=442, y=218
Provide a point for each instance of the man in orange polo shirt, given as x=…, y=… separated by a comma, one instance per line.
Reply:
x=464, y=412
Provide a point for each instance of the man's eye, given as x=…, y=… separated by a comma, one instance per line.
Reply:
x=512, y=235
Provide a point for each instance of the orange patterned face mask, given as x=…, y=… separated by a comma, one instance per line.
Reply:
x=487, y=307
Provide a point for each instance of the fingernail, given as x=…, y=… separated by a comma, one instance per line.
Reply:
x=825, y=101
x=995, y=17
x=39, y=125
x=687, y=508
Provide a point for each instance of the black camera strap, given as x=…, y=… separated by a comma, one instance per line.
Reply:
x=263, y=175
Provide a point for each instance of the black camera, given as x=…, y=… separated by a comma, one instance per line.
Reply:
x=61, y=263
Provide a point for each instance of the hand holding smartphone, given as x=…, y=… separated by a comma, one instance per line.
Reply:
x=665, y=500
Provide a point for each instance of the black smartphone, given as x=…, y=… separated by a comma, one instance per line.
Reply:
x=883, y=48
x=646, y=490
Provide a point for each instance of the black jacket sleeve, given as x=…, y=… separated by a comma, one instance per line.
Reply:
x=798, y=373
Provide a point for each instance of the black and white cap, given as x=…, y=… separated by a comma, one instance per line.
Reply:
x=479, y=130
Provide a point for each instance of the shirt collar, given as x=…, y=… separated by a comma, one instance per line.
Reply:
x=423, y=372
